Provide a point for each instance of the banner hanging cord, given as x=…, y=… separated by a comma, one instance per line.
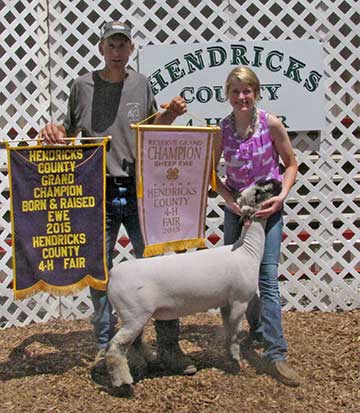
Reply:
x=158, y=113
x=139, y=183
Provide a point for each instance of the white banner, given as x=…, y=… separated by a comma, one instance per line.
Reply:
x=290, y=71
x=173, y=168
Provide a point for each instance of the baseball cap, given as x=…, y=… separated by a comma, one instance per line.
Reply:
x=110, y=28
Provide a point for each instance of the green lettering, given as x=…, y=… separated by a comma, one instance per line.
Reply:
x=272, y=90
x=292, y=71
x=204, y=94
x=174, y=71
x=269, y=60
x=257, y=62
x=217, y=55
x=283, y=120
x=312, y=83
x=194, y=62
x=238, y=55
x=219, y=95
x=184, y=94
x=212, y=121
x=157, y=82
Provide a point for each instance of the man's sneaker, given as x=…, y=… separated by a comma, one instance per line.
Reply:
x=174, y=360
x=282, y=372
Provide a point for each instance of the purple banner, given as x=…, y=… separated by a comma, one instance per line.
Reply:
x=58, y=216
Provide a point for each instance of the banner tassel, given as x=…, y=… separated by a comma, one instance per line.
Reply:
x=139, y=187
x=213, y=173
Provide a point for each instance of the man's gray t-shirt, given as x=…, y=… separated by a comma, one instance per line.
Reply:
x=101, y=108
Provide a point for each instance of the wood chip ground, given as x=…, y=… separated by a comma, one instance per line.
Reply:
x=49, y=368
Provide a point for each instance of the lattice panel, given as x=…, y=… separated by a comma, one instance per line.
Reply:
x=45, y=45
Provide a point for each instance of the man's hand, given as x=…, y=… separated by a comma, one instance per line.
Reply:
x=176, y=107
x=53, y=134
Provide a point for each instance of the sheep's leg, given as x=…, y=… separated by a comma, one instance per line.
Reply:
x=236, y=315
x=145, y=351
x=116, y=356
x=225, y=314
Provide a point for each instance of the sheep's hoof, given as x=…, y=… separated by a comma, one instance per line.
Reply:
x=123, y=380
x=124, y=391
x=234, y=351
x=242, y=364
x=236, y=358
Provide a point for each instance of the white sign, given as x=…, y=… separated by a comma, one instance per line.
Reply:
x=291, y=75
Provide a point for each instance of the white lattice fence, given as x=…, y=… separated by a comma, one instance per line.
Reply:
x=43, y=49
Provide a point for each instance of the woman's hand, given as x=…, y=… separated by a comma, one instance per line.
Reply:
x=233, y=206
x=270, y=206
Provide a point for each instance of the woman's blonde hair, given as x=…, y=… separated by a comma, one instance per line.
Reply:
x=245, y=75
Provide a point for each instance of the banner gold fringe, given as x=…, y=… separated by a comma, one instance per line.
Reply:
x=157, y=249
x=42, y=286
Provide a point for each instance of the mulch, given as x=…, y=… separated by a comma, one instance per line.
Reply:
x=49, y=368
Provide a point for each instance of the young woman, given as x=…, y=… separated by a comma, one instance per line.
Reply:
x=252, y=141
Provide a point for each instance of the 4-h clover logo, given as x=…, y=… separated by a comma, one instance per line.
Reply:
x=172, y=174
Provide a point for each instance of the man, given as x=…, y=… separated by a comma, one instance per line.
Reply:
x=102, y=103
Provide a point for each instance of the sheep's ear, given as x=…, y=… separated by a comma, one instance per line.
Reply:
x=273, y=186
x=260, y=195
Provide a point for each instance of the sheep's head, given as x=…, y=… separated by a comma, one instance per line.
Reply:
x=251, y=198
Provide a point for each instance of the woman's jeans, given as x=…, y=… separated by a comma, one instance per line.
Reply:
x=264, y=313
x=117, y=212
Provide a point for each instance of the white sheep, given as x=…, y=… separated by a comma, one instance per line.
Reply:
x=172, y=286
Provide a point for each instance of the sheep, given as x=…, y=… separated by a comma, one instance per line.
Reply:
x=173, y=286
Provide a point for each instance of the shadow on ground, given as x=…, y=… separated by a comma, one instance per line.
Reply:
x=207, y=337
x=48, y=353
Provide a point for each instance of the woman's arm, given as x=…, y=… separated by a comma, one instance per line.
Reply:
x=221, y=189
x=284, y=148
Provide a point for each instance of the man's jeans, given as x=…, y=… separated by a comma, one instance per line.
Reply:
x=264, y=313
x=116, y=214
